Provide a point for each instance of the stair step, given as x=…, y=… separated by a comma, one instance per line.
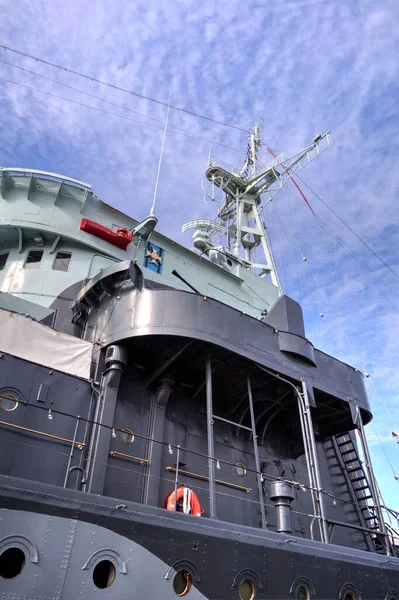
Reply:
x=365, y=497
x=361, y=488
x=355, y=479
x=353, y=469
x=347, y=452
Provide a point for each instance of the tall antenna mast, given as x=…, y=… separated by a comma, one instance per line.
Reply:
x=152, y=211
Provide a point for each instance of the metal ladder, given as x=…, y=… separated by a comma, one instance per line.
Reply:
x=211, y=417
x=357, y=477
x=363, y=491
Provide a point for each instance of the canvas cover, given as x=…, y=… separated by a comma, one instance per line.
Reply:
x=24, y=338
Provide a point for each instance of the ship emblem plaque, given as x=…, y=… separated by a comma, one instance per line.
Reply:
x=153, y=258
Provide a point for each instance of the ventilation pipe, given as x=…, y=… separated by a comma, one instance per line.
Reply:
x=281, y=494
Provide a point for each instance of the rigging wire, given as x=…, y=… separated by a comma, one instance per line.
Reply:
x=349, y=228
x=348, y=341
x=325, y=228
x=121, y=89
x=172, y=128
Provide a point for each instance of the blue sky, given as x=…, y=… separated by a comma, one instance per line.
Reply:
x=301, y=67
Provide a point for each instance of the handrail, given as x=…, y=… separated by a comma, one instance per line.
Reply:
x=206, y=478
x=79, y=445
x=142, y=461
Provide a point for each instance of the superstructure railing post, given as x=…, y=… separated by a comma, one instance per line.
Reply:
x=211, y=446
x=256, y=454
x=312, y=461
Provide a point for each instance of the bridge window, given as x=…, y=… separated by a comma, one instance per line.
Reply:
x=61, y=261
x=3, y=260
x=33, y=259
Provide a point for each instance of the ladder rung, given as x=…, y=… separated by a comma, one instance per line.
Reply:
x=365, y=498
x=361, y=488
x=353, y=469
x=347, y=452
x=355, y=479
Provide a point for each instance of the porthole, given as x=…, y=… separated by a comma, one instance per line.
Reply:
x=8, y=401
x=127, y=435
x=182, y=583
x=241, y=469
x=246, y=590
x=302, y=592
x=349, y=596
x=104, y=574
x=12, y=561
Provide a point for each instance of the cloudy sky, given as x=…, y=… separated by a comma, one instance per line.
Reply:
x=298, y=68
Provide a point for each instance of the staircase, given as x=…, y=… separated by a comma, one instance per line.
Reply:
x=346, y=450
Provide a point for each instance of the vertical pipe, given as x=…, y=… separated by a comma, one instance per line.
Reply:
x=308, y=461
x=310, y=433
x=177, y=474
x=71, y=452
x=211, y=449
x=372, y=480
x=256, y=453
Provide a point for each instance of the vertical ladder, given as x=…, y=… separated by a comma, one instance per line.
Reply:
x=211, y=417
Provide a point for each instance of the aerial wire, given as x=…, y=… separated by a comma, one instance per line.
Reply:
x=121, y=89
x=349, y=228
x=172, y=128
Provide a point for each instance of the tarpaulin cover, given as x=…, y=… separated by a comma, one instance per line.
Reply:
x=32, y=341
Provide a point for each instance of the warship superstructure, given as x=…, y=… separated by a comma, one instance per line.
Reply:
x=166, y=428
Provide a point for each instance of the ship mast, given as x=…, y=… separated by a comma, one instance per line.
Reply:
x=239, y=215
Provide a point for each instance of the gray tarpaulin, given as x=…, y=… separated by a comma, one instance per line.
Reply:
x=32, y=341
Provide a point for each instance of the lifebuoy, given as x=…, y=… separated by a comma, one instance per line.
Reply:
x=190, y=501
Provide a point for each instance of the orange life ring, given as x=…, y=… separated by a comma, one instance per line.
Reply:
x=196, y=508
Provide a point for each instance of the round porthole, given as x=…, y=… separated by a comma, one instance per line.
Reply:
x=349, y=596
x=182, y=583
x=241, y=469
x=104, y=574
x=8, y=401
x=12, y=561
x=127, y=435
x=302, y=592
x=246, y=590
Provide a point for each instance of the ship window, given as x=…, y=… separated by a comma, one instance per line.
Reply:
x=33, y=259
x=61, y=261
x=302, y=592
x=246, y=590
x=182, y=583
x=127, y=436
x=3, y=260
x=8, y=402
x=12, y=561
x=241, y=469
x=104, y=574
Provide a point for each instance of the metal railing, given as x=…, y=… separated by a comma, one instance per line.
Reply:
x=132, y=471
